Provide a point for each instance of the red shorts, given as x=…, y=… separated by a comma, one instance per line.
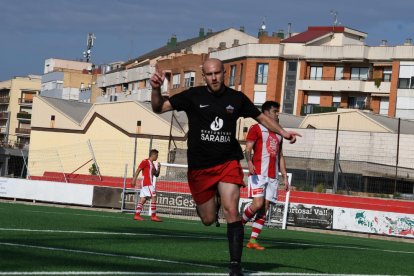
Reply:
x=203, y=182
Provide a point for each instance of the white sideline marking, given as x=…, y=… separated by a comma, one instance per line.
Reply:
x=111, y=233
x=170, y=273
x=101, y=216
x=105, y=273
x=199, y=237
x=105, y=254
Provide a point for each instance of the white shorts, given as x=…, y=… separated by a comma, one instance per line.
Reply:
x=263, y=186
x=147, y=191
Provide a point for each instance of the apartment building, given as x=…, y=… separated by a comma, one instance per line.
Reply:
x=180, y=59
x=70, y=80
x=16, y=99
x=323, y=69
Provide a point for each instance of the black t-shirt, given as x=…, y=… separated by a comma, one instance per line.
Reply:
x=212, y=124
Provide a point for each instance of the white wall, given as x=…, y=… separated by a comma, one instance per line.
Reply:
x=355, y=146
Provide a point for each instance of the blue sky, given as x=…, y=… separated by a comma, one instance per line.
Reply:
x=34, y=30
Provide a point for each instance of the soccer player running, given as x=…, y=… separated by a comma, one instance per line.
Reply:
x=214, y=153
x=263, y=167
x=147, y=190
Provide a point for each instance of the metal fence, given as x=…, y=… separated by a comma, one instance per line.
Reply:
x=106, y=160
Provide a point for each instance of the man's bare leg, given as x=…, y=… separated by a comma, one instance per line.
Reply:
x=207, y=212
x=230, y=195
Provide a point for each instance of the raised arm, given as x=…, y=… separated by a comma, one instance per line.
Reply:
x=158, y=102
x=276, y=127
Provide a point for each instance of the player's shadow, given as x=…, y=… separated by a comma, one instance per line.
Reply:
x=291, y=244
x=252, y=268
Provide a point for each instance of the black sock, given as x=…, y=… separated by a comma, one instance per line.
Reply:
x=235, y=233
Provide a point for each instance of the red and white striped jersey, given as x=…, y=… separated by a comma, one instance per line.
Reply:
x=266, y=149
x=148, y=170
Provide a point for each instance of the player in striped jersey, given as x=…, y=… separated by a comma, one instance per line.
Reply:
x=263, y=171
x=147, y=190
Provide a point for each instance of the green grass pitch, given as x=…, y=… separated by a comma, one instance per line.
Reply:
x=65, y=241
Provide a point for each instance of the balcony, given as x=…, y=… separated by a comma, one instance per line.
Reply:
x=346, y=85
x=23, y=101
x=23, y=131
x=314, y=109
x=4, y=100
x=24, y=116
x=346, y=52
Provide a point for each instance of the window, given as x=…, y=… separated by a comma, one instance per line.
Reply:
x=261, y=73
x=259, y=97
x=241, y=74
x=316, y=72
x=403, y=83
x=384, y=106
x=147, y=83
x=292, y=66
x=356, y=102
x=387, y=74
x=176, y=81
x=359, y=73
x=232, y=75
x=189, y=78
x=339, y=73
x=336, y=100
x=314, y=98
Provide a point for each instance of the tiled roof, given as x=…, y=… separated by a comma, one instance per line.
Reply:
x=313, y=33
x=169, y=49
x=406, y=127
x=74, y=109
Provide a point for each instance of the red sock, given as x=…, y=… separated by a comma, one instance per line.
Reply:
x=257, y=226
x=153, y=208
x=139, y=208
x=247, y=214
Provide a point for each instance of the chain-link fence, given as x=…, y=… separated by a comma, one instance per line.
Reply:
x=375, y=164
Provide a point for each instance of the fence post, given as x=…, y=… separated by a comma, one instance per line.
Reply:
x=94, y=159
x=124, y=188
x=25, y=165
x=61, y=167
x=336, y=147
x=336, y=171
x=396, y=161
x=135, y=157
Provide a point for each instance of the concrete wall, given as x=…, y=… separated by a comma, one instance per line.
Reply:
x=52, y=64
